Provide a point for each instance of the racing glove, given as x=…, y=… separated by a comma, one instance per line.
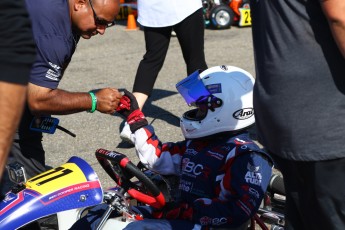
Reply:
x=173, y=210
x=129, y=109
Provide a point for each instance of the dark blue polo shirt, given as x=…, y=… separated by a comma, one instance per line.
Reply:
x=56, y=43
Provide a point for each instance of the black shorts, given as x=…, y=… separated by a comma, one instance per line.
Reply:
x=315, y=193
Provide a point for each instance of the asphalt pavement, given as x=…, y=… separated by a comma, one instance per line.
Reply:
x=111, y=60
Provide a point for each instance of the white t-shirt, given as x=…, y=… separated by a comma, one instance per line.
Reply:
x=162, y=13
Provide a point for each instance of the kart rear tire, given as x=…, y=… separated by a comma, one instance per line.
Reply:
x=221, y=17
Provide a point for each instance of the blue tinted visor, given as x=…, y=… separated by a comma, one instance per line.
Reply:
x=192, y=88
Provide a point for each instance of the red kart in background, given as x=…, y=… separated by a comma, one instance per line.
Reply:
x=222, y=14
x=218, y=14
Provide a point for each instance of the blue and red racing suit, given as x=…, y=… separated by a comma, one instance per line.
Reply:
x=223, y=178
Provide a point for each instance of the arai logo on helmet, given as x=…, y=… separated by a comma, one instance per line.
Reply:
x=243, y=114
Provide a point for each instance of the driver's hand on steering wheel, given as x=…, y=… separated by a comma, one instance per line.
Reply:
x=173, y=210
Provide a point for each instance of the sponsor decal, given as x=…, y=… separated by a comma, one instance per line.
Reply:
x=224, y=67
x=9, y=197
x=190, y=167
x=56, y=179
x=219, y=221
x=243, y=114
x=253, y=178
x=186, y=186
x=54, y=73
x=184, y=163
x=214, y=88
x=205, y=220
x=254, y=192
x=193, y=169
x=113, y=154
x=192, y=152
x=54, y=66
x=12, y=202
x=73, y=189
x=216, y=155
x=70, y=190
x=252, y=168
x=190, y=130
x=103, y=151
x=221, y=150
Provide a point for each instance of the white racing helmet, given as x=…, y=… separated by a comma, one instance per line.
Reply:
x=223, y=96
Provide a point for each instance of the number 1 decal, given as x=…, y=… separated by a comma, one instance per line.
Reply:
x=58, y=178
x=50, y=176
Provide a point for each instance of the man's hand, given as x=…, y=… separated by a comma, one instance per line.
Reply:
x=128, y=104
x=334, y=12
x=129, y=109
x=108, y=100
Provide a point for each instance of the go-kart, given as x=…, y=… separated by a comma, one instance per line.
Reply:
x=222, y=14
x=71, y=189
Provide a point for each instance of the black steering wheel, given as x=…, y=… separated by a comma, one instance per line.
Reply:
x=121, y=170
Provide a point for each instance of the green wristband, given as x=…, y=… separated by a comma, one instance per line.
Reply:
x=94, y=102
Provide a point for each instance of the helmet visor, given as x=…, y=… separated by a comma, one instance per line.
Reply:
x=192, y=88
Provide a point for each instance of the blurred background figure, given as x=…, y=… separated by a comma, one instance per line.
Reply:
x=159, y=19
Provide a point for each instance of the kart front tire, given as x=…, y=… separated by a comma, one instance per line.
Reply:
x=221, y=17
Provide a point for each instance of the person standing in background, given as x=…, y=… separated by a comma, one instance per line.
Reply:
x=17, y=54
x=159, y=19
x=299, y=101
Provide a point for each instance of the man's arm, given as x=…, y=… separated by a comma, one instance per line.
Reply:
x=11, y=104
x=43, y=100
x=17, y=53
x=334, y=11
